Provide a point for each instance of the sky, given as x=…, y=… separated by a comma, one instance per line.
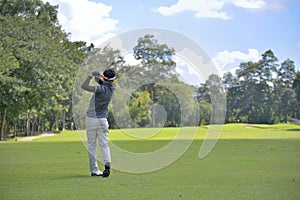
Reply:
x=230, y=31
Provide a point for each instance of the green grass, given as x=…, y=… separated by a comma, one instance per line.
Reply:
x=247, y=163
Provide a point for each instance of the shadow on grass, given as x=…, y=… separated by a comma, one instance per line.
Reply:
x=294, y=129
x=74, y=176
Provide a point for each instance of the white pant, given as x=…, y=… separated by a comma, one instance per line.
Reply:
x=97, y=129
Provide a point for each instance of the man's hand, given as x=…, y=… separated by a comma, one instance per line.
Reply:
x=96, y=73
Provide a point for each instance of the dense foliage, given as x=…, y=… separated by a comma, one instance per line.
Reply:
x=260, y=92
x=38, y=64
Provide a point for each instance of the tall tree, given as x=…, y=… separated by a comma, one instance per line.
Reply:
x=218, y=99
x=285, y=95
x=256, y=79
x=287, y=106
x=47, y=60
x=211, y=97
x=246, y=89
x=156, y=58
x=233, y=95
x=11, y=89
x=261, y=91
x=266, y=67
x=157, y=64
x=296, y=87
x=287, y=73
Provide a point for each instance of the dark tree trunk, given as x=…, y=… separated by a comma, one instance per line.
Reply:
x=3, y=118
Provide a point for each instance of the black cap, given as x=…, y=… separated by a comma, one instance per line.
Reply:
x=110, y=74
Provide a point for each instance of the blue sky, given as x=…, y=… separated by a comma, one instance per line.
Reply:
x=231, y=31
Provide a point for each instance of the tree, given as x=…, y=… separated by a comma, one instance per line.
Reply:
x=211, y=97
x=47, y=60
x=287, y=73
x=176, y=103
x=156, y=58
x=157, y=64
x=287, y=104
x=11, y=88
x=218, y=99
x=286, y=96
x=261, y=91
x=296, y=87
x=203, y=93
x=256, y=102
x=233, y=94
x=205, y=112
x=266, y=67
x=140, y=104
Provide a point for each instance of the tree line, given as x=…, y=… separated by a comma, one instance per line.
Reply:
x=259, y=92
x=39, y=65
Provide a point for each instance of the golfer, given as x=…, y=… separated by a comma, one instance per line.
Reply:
x=96, y=119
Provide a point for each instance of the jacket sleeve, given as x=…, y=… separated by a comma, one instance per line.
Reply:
x=86, y=85
x=99, y=80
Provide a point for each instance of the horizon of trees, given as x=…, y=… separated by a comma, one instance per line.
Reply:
x=262, y=92
x=39, y=65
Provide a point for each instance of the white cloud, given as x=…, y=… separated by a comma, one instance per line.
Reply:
x=84, y=19
x=203, y=8
x=276, y=5
x=299, y=44
x=216, y=8
x=186, y=72
x=103, y=39
x=251, y=4
x=189, y=72
x=223, y=61
x=229, y=61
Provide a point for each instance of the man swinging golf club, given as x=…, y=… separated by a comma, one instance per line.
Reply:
x=96, y=119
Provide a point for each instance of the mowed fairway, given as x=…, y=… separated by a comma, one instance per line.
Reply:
x=257, y=162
